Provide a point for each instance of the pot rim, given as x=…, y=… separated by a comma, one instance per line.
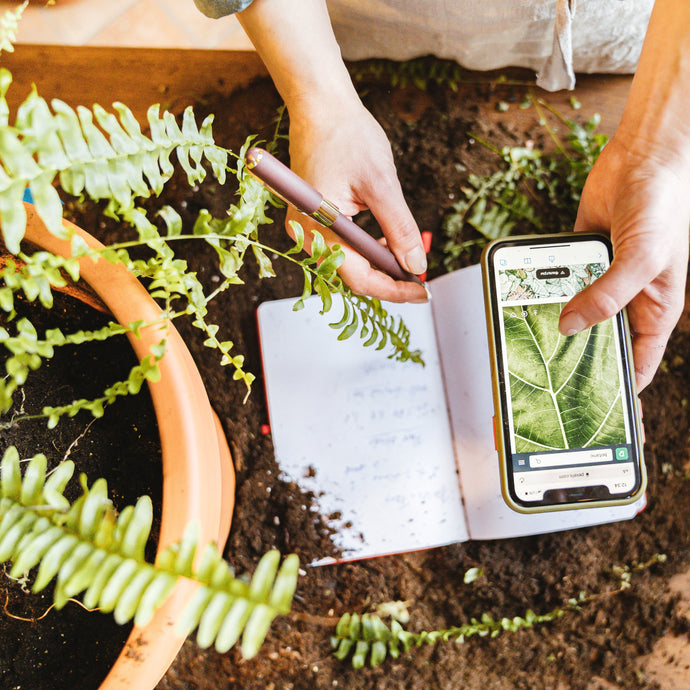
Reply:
x=198, y=475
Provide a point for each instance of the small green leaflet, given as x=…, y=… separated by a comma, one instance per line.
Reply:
x=564, y=391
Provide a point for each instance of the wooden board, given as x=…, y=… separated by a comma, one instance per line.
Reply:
x=137, y=77
x=175, y=78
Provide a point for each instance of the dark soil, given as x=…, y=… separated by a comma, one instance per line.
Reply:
x=583, y=649
x=72, y=647
x=590, y=648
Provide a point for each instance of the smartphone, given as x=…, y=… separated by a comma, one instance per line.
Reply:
x=567, y=416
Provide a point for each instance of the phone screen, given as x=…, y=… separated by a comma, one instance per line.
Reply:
x=569, y=425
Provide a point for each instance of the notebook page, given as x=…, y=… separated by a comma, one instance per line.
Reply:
x=368, y=435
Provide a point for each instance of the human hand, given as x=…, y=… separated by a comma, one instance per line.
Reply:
x=335, y=144
x=641, y=198
x=338, y=147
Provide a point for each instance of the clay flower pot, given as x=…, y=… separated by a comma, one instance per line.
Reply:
x=198, y=476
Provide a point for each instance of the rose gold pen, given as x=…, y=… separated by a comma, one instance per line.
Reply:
x=298, y=193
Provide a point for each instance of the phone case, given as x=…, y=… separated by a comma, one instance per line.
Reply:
x=502, y=443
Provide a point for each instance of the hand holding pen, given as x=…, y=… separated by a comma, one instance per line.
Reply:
x=299, y=194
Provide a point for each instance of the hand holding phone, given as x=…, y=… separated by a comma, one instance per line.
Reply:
x=567, y=421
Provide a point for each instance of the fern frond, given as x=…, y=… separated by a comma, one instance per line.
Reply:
x=96, y=152
x=492, y=205
x=367, y=638
x=363, y=315
x=27, y=352
x=35, y=275
x=146, y=370
x=87, y=548
x=9, y=24
x=233, y=235
x=420, y=72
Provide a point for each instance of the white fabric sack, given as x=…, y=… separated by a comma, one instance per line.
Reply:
x=553, y=37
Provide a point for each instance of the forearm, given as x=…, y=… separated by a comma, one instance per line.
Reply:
x=335, y=143
x=296, y=43
x=638, y=191
x=655, y=119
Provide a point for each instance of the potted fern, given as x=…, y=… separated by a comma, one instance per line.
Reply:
x=38, y=526
x=85, y=545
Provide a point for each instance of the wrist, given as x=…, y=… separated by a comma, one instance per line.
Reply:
x=323, y=92
x=296, y=43
x=323, y=106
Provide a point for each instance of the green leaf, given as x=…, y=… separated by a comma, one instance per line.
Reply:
x=318, y=245
x=128, y=602
x=285, y=584
x=264, y=575
x=564, y=390
x=256, y=629
x=232, y=626
x=53, y=560
x=172, y=219
x=13, y=215
x=378, y=653
x=34, y=478
x=156, y=593
x=11, y=474
x=101, y=577
x=331, y=263
x=359, y=657
x=263, y=262
x=298, y=232
x=212, y=618
x=347, y=315
x=343, y=648
x=47, y=202
x=116, y=584
x=33, y=552
x=324, y=292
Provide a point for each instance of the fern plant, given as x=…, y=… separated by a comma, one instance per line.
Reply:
x=108, y=158
x=91, y=550
x=56, y=152
x=533, y=189
x=366, y=638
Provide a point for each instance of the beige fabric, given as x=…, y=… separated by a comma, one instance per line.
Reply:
x=557, y=72
x=552, y=37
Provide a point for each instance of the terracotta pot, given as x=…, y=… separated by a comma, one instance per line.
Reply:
x=198, y=475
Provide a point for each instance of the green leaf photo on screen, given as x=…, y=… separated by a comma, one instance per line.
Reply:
x=564, y=391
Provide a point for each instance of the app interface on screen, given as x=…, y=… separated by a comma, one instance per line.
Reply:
x=567, y=408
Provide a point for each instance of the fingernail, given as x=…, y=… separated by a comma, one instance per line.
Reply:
x=416, y=260
x=573, y=322
x=423, y=300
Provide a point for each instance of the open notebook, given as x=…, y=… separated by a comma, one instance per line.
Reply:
x=400, y=456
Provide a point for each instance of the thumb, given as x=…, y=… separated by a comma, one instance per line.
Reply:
x=605, y=297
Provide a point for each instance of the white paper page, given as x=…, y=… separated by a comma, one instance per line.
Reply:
x=368, y=435
x=458, y=304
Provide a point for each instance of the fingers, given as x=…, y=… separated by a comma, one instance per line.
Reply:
x=647, y=275
x=649, y=233
x=356, y=271
x=648, y=351
x=398, y=225
x=606, y=296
